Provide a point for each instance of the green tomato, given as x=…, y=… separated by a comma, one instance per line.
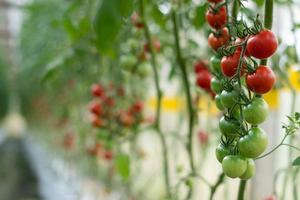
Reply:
x=234, y=166
x=215, y=64
x=228, y=127
x=257, y=111
x=219, y=103
x=128, y=62
x=143, y=70
x=216, y=85
x=229, y=99
x=253, y=144
x=250, y=171
x=221, y=152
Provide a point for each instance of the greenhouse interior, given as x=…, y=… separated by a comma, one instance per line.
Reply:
x=149, y=100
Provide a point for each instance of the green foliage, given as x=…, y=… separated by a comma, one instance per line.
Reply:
x=110, y=15
x=122, y=164
x=296, y=162
x=294, y=124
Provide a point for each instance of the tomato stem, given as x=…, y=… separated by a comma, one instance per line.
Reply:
x=242, y=189
x=268, y=20
x=214, y=188
x=159, y=96
x=186, y=83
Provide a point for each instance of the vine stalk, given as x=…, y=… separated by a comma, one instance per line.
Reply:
x=159, y=96
x=186, y=83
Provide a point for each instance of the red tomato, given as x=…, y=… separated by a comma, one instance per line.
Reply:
x=136, y=20
x=200, y=66
x=69, y=140
x=137, y=107
x=203, y=80
x=229, y=64
x=216, y=19
x=126, y=118
x=95, y=108
x=214, y=1
x=262, y=45
x=155, y=44
x=262, y=80
x=217, y=40
x=238, y=41
x=97, y=121
x=97, y=90
x=203, y=137
x=109, y=101
x=272, y=197
x=108, y=155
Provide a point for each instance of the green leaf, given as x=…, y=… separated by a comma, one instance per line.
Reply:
x=296, y=162
x=199, y=19
x=297, y=115
x=259, y=2
x=108, y=22
x=122, y=164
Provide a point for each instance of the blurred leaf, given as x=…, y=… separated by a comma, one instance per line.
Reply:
x=199, y=19
x=296, y=162
x=52, y=67
x=259, y=2
x=122, y=163
x=108, y=21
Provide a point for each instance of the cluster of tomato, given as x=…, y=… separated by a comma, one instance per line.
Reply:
x=135, y=56
x=238, y=86
x=104, y=109
x=216, y=17
x=203, y=76
x=107, y=112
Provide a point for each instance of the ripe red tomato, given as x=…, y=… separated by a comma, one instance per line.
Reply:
x=110, y=101
x=136, y=20
x=229, y=64
x=126, y=119
x=216, y=19
x=97, y=121
x=203, y=80
x=262, y=45
x=155, y=44
x=97, y=90
x=95, y=108
x=271, y=197
x=108, y=155
x=200, y=66
x=68, y=141
x=214, y=1
x=216, y=40
x=137, y=107
x=262, y=80
x=203, y=137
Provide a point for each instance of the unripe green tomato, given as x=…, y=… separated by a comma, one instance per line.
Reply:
x=219, y=103
x=250, y=171
x=215, y=64
x=133, y=44
x=229, y=127
x=257, y=111
x=216, y=85
x=229, y=99
x=128, y=62
x=234, y=166
x=253, y=144
x=143, y=70
x=221, y=152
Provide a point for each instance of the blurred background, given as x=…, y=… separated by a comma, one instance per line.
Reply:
x=50, y=144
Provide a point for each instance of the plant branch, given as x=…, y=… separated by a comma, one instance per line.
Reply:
x=159, y=99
